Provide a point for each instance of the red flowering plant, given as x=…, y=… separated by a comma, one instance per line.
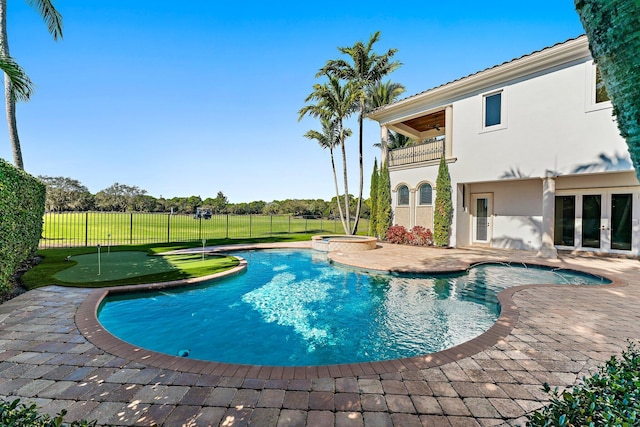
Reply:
x=418, y=236
x=398, y=235
x=421, y=236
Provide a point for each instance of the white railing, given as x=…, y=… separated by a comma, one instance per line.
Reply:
x=416, y=153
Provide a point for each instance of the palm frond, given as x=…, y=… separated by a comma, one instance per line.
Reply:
x=51, y=17
x=21, y=85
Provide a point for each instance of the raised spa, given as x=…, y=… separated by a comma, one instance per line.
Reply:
x=342, y=243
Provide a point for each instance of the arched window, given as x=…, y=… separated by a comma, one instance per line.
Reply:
x=403, y=196
x=426, y=194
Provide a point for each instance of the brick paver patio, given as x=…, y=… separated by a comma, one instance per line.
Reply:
x=552, y=334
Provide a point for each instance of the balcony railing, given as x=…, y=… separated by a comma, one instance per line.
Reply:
x=416, y=153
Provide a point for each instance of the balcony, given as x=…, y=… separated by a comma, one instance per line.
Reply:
x=416, y=153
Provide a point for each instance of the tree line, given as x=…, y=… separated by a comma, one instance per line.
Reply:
x=67, y=194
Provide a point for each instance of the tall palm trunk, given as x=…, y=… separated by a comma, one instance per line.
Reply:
x=347, y=212
x=359, y=204
x=335, y=183
x=10, y=99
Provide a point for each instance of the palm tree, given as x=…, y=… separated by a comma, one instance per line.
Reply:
x=329, y=138
x=396, y=140
x=334, y=102
x=383, y=93
x=17, y=85
x=366, y=69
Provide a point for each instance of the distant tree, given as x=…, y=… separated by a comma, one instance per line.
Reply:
x=383, y=209
x=145, y=203
x=443, y=208
x=364, y=70
x=118, y=197
x=219, y=205
x=613, y=29
x=191, y=204
x=13, y=88
x=373, y=194
x=66, y=194
x=272, y=208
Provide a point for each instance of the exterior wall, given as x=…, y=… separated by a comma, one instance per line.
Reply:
x=516, y=214
x=414, y=214
x=548, y=126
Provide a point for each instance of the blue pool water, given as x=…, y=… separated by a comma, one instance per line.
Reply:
x=293, y=308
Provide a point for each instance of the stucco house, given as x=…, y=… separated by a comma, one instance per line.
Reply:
x=534, y=153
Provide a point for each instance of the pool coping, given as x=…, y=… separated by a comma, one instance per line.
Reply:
x=87, y=322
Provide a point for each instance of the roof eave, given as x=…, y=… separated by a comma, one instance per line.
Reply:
x=535, y=62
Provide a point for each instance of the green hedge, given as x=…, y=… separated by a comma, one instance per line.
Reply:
x=611, y=397
x=21, y=210
x=18, y=414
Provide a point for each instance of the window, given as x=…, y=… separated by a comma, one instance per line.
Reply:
x=403, y=196
x=601, y=90
x=426, y=194
x=493, y=109
x=596, y=94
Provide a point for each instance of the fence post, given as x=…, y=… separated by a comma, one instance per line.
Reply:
x=227, y=234
x=306, y=221
x=86, y=229
x=200, y=229
x=250, y=218
x=271, y=225
x=289, y=224
x=168, y=227
x=131, y=228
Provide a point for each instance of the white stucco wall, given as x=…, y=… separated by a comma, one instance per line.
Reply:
x=549, y=125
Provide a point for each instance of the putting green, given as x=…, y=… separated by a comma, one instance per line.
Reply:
x=121, y=265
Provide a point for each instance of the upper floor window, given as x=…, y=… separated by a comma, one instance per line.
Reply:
x=403, y=196
x=426, y=194
x=493, y=109
x=601, y=90
x=596, y=94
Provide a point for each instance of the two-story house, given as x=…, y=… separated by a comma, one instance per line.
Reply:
x=534, y=154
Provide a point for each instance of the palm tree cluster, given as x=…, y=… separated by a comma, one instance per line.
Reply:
x=352, y=85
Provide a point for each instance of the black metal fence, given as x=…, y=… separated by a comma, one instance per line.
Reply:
x=73, y=229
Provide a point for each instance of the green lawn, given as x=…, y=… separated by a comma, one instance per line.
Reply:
x=131, y=264
x=72, y=229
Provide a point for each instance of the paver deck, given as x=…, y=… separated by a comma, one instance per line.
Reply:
x=553, y=334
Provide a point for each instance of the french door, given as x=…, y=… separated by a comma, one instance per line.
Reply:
x=594, y=221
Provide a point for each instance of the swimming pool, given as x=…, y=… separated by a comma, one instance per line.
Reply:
x=293, y=308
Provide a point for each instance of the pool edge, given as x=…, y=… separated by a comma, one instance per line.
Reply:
x=89, y=326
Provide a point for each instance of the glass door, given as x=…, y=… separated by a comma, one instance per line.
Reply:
x=621, y=221
x=565, y=221
x=481, y=229
x=591, y=220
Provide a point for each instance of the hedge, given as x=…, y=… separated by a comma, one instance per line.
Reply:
x=22, y=199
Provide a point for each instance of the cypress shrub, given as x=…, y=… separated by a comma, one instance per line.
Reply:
x=373, y=194
x=384, y=202
x=443, y=207
x=22, y=198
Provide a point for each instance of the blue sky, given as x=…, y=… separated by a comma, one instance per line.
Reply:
x=192, y=98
